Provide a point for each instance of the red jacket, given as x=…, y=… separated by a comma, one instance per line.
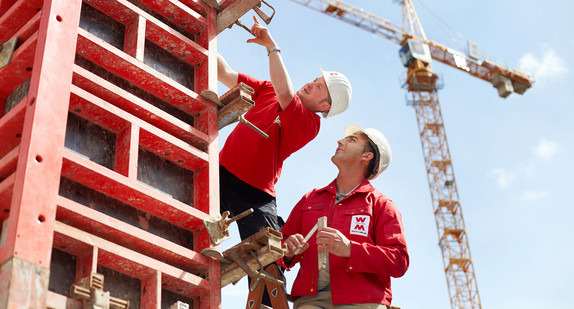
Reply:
x=372, y=223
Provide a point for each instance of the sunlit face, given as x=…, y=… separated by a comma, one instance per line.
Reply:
x=350, y=149
x=315, y=95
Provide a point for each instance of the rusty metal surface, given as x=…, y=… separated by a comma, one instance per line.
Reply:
x=218, y=225
x=231, y=11
x=235, y=102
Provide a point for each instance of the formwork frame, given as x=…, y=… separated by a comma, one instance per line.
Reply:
x=45, y=84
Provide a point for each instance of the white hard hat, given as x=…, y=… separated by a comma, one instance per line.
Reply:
x=381, y=145
x=339, y=90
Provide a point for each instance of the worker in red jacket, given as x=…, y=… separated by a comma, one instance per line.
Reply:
x=251, y=164
x=364, y=237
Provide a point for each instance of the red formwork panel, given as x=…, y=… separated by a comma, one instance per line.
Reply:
x=108, y=154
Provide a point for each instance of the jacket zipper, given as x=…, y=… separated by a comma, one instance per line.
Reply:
x=331, y=208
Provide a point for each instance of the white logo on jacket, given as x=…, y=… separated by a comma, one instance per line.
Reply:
x=360, y=225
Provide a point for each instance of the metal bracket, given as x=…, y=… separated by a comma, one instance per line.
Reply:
x=266, y=19
x=179, y=305
x=247, y=257
x=232, y=105
x=217, y=226
x=6, y=51
x=229, y=15
x=91, y=292
x=256, y=275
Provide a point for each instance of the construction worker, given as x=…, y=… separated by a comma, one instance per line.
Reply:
x=364, y=236
x=250, y=164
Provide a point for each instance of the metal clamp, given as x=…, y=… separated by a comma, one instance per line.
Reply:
x=266, y=19
x=217, y=226
x=91, y=291
x=6, y=51
x=257, y=8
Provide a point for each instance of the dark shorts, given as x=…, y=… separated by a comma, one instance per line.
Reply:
x=237, y=196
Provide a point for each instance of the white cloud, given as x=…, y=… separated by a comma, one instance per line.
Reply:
x=546, y=149
x=502, y=177
x=550, y=65
x=533, y=196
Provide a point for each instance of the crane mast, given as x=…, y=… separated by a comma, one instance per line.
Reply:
x=423, y=88
x=423, y=84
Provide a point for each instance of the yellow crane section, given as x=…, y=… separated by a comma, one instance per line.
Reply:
x=416, y=54
x=505, y=79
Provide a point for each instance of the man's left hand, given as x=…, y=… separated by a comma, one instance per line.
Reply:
x=334, y=242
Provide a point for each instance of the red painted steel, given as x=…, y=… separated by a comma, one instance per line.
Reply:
x=33, y=158
x=25, y=257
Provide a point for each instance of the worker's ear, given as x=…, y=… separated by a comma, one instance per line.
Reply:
x=367, y=156
x=324, y=106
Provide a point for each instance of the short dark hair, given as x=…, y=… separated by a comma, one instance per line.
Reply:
x=370, y=147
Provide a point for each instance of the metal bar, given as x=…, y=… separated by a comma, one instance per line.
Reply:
x=323, y=256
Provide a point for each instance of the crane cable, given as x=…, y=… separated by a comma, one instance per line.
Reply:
x=442, y=24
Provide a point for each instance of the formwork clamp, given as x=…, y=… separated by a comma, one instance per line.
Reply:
x=91, y=291
x=218, y=225
x=6, y=51
x=232, y=105
x=229, y=14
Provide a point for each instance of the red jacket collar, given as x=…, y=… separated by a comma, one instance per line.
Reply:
x=365, y=186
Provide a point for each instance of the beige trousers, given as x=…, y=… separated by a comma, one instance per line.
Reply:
x=323, y=298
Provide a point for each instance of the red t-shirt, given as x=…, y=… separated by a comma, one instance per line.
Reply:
x=255, y=159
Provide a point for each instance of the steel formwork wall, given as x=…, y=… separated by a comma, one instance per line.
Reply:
x=108, y=155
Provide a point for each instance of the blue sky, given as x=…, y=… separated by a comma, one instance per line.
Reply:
x=512, y=157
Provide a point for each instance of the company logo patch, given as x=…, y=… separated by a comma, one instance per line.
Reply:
x=360, y=225
x=277, y=121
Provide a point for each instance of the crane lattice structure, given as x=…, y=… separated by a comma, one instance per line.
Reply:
x=422, y=84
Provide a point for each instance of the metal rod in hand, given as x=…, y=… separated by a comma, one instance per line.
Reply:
x=323, y=256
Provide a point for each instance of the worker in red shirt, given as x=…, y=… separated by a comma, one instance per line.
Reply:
x=250, y=164
x=364, y=237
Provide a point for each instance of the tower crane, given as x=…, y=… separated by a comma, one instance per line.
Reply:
x=417, y=53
